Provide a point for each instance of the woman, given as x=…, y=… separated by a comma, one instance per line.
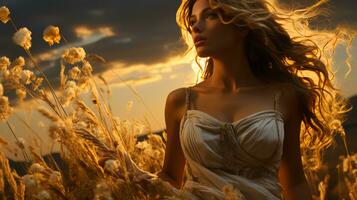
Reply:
x=241, y=125
x=266, y=101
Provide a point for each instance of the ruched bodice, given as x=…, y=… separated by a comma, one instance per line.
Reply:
x=244, y=153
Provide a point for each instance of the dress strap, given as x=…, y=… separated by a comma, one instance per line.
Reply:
x=188, y=98
x=276, y=100
x=188, y=105
x=276, y=107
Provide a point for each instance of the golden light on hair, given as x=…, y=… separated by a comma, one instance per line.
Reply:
x=198, y=66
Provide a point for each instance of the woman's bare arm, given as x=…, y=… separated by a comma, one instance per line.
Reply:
x=174, y=162
x=291, y=174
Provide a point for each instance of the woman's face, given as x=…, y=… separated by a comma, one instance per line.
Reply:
x=210, y=35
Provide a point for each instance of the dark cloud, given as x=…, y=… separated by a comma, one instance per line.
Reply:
x=145, y=31
x=150, y=25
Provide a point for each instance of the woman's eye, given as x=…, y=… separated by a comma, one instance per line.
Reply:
x=208, y=15
x=191, y=23
x=211, y=15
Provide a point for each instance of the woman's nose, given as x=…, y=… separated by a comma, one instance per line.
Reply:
x=198, y=26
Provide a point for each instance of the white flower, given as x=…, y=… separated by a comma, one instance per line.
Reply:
x=15, y=74
x=74, y=73
x=26, y=76
x=23, y=38
x=4, y=14
x=5, y=74
x=43, y=195
x=87, y=68
x=70, y=92
x=111, y=165
x=74, y=55
x=103, y=191
x=143, y=145
x=52, y=35
x=71, y=84
x=16, y=69
x=36, y=168
x=21, y=94
x=19, y=62
x=55, y=178
x=5, y=109
x=29, y=181
x=68, y=95
x=83, y=83
x=102, y=188
x=4, y=63
x=82, y=124
x=1, y=90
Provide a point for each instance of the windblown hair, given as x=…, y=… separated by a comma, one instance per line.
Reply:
x=281, y=47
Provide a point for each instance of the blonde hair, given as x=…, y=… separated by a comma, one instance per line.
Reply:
x=281, y=47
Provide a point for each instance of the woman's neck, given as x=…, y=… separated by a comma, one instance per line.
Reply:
x=231, y=71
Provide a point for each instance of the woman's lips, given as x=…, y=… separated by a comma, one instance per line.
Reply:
x=200, y=43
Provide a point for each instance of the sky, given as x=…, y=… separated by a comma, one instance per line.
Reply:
x=141, y=43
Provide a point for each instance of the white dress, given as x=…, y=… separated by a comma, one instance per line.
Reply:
x=245, y=153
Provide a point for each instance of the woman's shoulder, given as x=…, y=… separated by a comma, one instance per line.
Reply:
x=289, y=91
x=176, y=101
x=177, y=96
x=285, y=88
x=290, y=99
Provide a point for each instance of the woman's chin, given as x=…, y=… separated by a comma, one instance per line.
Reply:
x=202, y=53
